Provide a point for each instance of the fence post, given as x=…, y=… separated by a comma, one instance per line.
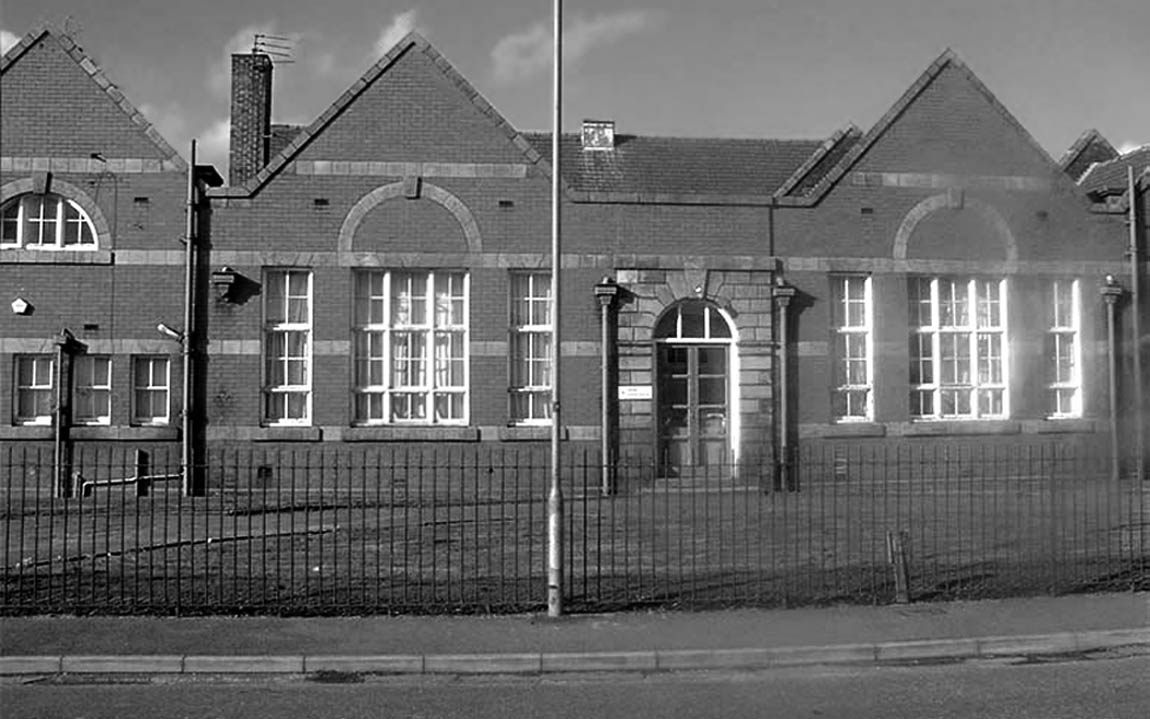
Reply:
x=897, y=556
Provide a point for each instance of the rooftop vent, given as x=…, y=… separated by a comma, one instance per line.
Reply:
x=598, y=134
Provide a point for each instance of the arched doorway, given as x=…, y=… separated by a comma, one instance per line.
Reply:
x=695, y=389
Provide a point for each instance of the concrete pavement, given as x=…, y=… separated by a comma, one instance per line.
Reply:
x=646, y=641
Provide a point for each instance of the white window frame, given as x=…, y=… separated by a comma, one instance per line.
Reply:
x=435, y=378
x=44, y=381
x=946, y=336
x=147, y=381
x=1064, y=329
x=530, y=350
x=850, y=326
x=66, y=216
x=279, y=328
x=92, y=389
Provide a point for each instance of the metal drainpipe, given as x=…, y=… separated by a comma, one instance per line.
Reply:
x=1136, y=320
x=186, y=460
x=605, y=291
x=63, y=487
x=66, y=347
x=1111, y=292
x=783, y=294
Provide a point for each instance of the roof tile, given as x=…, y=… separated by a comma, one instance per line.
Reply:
x=1111, y=175
x=642, y=166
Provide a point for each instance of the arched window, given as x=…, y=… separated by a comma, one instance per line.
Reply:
x=692, y=320
x=45, y=222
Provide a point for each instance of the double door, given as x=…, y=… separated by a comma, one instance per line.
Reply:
x=693, y=408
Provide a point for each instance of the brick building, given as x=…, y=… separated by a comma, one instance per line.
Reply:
x=93, y=213
x=939, y=275
x=380, y=275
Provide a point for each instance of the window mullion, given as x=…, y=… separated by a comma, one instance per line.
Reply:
x=429, y=331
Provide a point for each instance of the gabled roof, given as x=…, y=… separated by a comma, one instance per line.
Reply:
x=811, y=173
x=281, y=137
x=48, y=32
x=644, y=168
x=1090, y=147
x=1108, y=178
x=947, y=59
x=412, y=42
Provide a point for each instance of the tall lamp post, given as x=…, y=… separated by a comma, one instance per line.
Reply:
x=555, y=494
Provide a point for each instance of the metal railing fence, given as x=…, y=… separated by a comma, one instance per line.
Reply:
x=405, y=530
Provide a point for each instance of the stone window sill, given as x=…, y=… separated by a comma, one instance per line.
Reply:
x=56, y=257
x=410, y=434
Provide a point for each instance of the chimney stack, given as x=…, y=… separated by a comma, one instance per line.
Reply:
x=251, y=116
x=598, y=135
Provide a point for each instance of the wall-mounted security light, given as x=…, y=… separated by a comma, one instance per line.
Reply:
x=21, y=306
x=169, y=332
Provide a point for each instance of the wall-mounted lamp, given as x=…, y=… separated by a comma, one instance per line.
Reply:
x=21, y=306
x=224, y=281
x=169, y=332
x=1111, y=290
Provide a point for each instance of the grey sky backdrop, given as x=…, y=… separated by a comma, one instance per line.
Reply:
x=735, y=68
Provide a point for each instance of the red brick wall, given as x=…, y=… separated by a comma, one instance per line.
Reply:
x=52, y=107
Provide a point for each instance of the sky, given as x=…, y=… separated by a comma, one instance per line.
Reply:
x=716, y=68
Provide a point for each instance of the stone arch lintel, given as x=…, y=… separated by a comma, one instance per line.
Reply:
x=435, y=193
x=936, y=202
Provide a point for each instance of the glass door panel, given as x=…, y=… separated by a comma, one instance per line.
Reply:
x=693, y=408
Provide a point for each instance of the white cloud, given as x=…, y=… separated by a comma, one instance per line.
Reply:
x=401, y=24
x=522, y=54
x=170, y=121
x=212, y=145
x=1126, y=147
x=7, y=40
x=323, y=63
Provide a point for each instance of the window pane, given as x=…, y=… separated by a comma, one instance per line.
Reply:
x=91, y=389
x=954, y=308
x=673, y=391
x=692, y=320
x=718, y=324
x=275, y=286
x=713, y=360
x=990, y=402
x=41, y=216
x=919, y=294
x=296, y=405
x=989, y=304
x=449, y=300
x=409, y=299
x=712, y=390
x=955, y=402
x=921, y=403
x=10, y=223
x=150, y=396
x=954, y=348
x=989, y=358
x=408, y=406
x=449, y=406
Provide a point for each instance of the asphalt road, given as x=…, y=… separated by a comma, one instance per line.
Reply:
x=1114, y=687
